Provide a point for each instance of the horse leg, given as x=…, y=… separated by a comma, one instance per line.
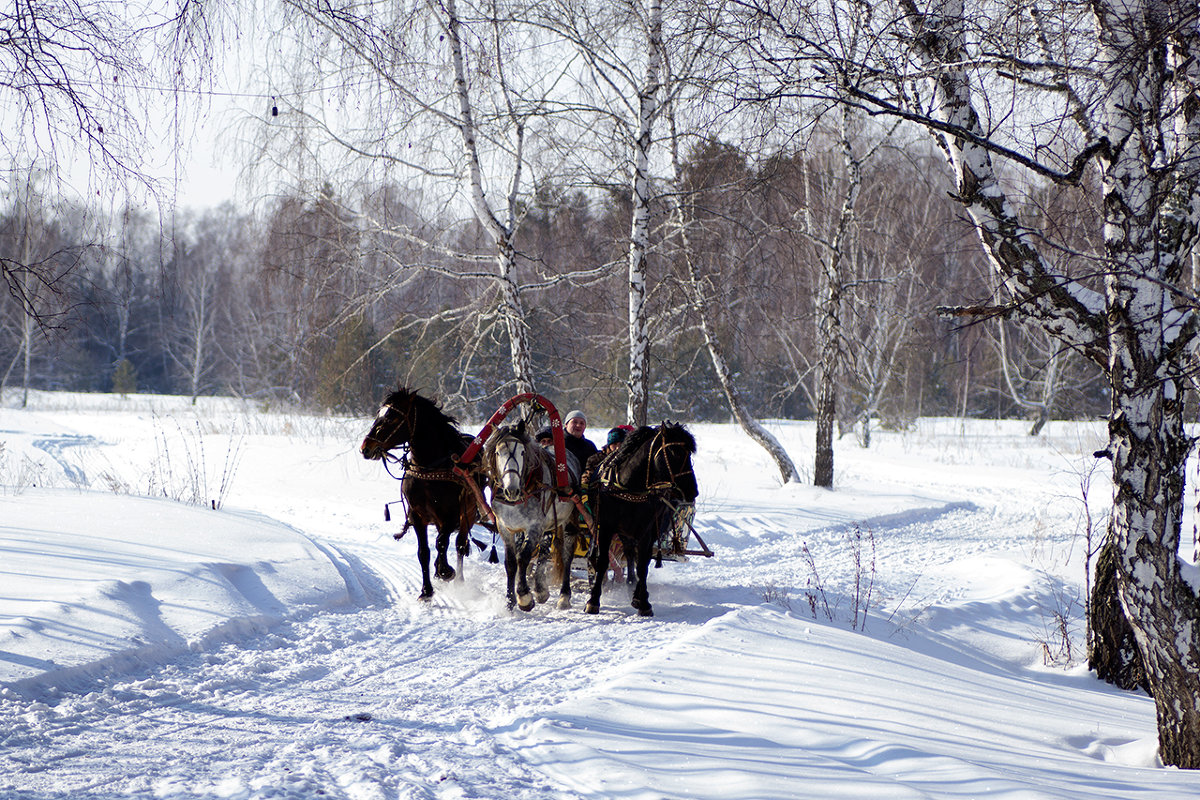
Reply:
x=442, y=564
x=524, y=553
x=510, y=570
x=466, y=521
x=641, y=595
x=421, y=529
x=462, y=547
x=603, y=542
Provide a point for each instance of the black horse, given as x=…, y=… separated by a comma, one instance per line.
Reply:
x=433, y=493
x=641, y=486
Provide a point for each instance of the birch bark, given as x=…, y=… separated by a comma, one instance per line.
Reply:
x=639, y=234
x=1135, y=329
x=501, y=230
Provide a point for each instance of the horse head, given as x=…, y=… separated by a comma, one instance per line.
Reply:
x=671, y=453
x=393, y=426
x=507, y=452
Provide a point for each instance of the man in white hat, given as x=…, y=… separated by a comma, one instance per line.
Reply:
x=574, y=426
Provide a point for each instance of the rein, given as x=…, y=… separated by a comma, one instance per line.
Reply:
x=410, y=469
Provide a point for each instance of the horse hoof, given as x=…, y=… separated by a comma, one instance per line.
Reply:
x=564, y=602
x=646, y=611
x=541, y=597
x=446, y=573
x=526, y=604
x=426, y=596
x=591, y=608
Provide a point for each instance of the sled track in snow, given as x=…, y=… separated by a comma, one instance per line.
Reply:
x=394, y=699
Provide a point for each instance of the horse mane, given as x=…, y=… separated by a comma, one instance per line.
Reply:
x=629, y=459
x=634, y=442
x=441, y=428
x=676, y=433
x=430, y=411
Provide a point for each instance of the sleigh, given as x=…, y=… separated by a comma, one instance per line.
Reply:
x=674, y=545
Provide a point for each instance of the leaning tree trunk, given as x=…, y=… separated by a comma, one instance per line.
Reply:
x=706, y=313
x=752, y=427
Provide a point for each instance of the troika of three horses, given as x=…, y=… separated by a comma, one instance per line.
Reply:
x=638, y=506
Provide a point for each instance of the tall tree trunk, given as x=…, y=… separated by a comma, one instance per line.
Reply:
x=1148, y=363
x=30, y=290
x=829, y=330
x=639, y=234
x=514, y=317
x=829, y=334
x=501, y=231
x=1147, y=61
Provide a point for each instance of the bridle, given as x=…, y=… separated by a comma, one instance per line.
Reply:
x=527, y=478
x=513, y=465
x=663, y=450
x=658, y=449
x=391, y=432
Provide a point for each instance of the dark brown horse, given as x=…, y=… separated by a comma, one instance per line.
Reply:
x=642, y=487
x=433, y=493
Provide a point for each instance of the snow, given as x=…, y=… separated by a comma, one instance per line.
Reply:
x=897, y=637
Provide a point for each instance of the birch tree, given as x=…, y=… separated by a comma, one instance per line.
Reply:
x=434, y=73
x=639, y=232
x=623, y=49
x=699, y=289
x=998, y=87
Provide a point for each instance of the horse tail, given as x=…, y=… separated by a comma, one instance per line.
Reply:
x=558, y=563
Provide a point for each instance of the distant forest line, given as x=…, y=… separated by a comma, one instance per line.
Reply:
x=330, y=298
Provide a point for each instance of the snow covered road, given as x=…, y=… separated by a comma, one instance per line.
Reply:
x=275, y=649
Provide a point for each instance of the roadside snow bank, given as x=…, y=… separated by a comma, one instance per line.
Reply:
x=758, y=697
x=92, y=580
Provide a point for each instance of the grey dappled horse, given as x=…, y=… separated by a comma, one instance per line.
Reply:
x=532, y=517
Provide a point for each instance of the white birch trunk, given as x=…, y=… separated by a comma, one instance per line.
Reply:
x=501, y=232
x=1149, y=445
x=639, y=234
x=1134, y=329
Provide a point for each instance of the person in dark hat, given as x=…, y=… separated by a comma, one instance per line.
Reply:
x=591, y=469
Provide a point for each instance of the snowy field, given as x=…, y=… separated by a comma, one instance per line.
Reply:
x=915, y=633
